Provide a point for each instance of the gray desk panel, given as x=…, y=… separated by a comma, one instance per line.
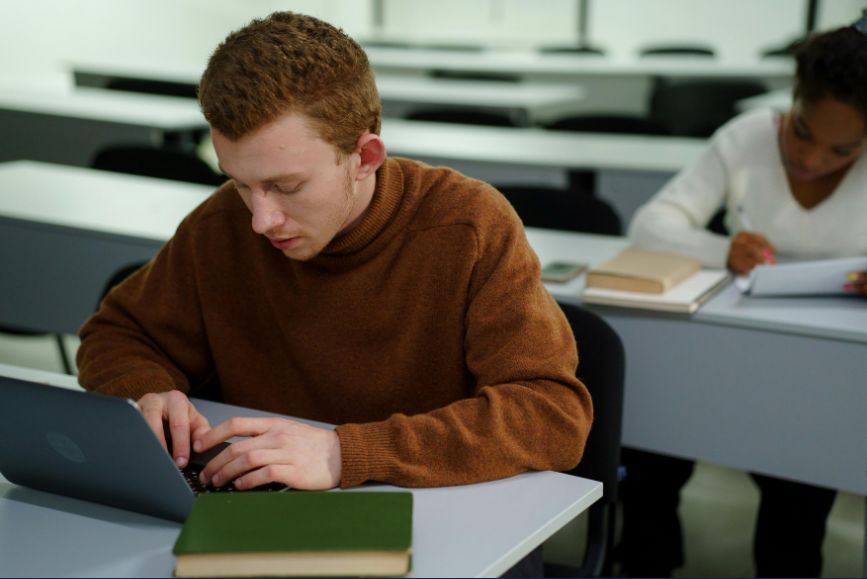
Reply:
x=66, y=140
x=461, y=531
x=53, y=276
x=791, y=406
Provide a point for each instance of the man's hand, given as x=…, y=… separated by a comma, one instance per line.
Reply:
x=856, y=282
x=184, y=420
x=749, y=250
x=279, y=450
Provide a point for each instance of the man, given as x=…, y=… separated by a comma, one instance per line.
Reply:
x=399, y=301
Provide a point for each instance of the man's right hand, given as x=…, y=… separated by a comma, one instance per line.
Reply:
x=185, y=422
x=748, y=250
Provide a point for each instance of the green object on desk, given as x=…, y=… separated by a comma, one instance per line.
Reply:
x=296, y=533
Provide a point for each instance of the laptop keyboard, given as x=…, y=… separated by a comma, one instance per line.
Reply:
x=191, y=475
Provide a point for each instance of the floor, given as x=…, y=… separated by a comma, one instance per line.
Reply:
x=718, y=504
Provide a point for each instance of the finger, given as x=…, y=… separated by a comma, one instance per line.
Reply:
x=279, y=473
x=227, y=455
x=236, y=426
x=254, y=460
x=179, y=426
x=199, y=425
x=151, y=409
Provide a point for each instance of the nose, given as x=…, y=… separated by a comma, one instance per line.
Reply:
x=267, y=215
x=812, y=158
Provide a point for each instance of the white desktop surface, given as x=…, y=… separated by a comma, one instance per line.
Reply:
x=157, y=111
x=98, y=201
x=509, y=61
x=538, y=147
x=529, y=95
x=478, y=530
x=520, y=61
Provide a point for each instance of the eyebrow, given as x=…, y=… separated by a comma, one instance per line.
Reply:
x=275, y=179
x=803, y=126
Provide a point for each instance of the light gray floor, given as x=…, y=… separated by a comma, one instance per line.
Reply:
x=718, y=506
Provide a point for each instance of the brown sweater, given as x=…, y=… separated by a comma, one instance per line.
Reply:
x=424, y=333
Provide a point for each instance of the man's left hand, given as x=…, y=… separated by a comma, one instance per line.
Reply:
x=278, y=450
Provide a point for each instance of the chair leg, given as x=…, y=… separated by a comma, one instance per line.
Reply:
x=64, y=356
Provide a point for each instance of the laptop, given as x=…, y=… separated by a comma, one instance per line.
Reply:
x=93, y=447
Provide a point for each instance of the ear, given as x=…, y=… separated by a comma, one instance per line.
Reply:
x=371, y=152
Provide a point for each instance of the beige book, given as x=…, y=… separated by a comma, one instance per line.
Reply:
x=643, y=271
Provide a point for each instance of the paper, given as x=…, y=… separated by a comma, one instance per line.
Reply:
x=816, y=277
x=685, y=297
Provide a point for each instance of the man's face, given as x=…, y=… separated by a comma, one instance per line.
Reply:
x=290, y=179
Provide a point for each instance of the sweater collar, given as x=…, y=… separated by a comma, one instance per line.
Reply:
x=387, y=195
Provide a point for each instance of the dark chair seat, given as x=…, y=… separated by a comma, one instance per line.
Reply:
x=562, y=209
x=155, y=162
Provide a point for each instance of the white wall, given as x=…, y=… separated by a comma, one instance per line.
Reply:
x=38, y=38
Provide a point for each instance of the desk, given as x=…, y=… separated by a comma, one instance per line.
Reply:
x=476, y=530
x=70, y=126
x=72, y=228
x=529, y=62
x=629, y=168
x=533, y=101
x=807, y=345
x=529, y=102
x=741, y=377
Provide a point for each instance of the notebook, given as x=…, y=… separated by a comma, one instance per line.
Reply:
x=89, y=446
x=814, y=277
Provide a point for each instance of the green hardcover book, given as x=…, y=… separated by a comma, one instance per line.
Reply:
x=296, y=533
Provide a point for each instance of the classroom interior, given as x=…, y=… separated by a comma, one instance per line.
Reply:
x=52, y=45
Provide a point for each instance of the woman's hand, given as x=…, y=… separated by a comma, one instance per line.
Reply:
x=748, y=250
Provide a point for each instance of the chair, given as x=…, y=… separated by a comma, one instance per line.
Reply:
x=462, y=116
x=601, y=367
x=162, y=163
x=677, y=50
x=608, y=123
x=65, y=362
x=160, y=87
x=564, y=209
x=696, y=108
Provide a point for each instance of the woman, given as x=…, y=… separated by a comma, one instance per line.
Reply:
x=791, y=185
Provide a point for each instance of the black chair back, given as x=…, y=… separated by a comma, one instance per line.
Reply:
x=602, y=369
x=697, y=108
x=462, y=117
x=608, y=123
x=159, y=87
x=563, y=209
x=678, y=50
x=154, y=162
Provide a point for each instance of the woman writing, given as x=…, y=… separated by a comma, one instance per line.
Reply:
x=792, y=185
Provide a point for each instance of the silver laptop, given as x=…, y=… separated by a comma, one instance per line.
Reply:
x=93, y=447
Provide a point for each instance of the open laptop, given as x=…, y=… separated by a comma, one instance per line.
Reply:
x=90, y=446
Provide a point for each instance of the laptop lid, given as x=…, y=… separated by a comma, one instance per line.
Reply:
x=89, y=446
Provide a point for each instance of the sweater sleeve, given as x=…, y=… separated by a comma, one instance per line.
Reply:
x=143, y=338
x=675, y=218
x=528, y=410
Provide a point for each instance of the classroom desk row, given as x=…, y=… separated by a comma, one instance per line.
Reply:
x=460, y=531
x=70, y=127
x=773, y=385
x=720, y=375
x=492, y=61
